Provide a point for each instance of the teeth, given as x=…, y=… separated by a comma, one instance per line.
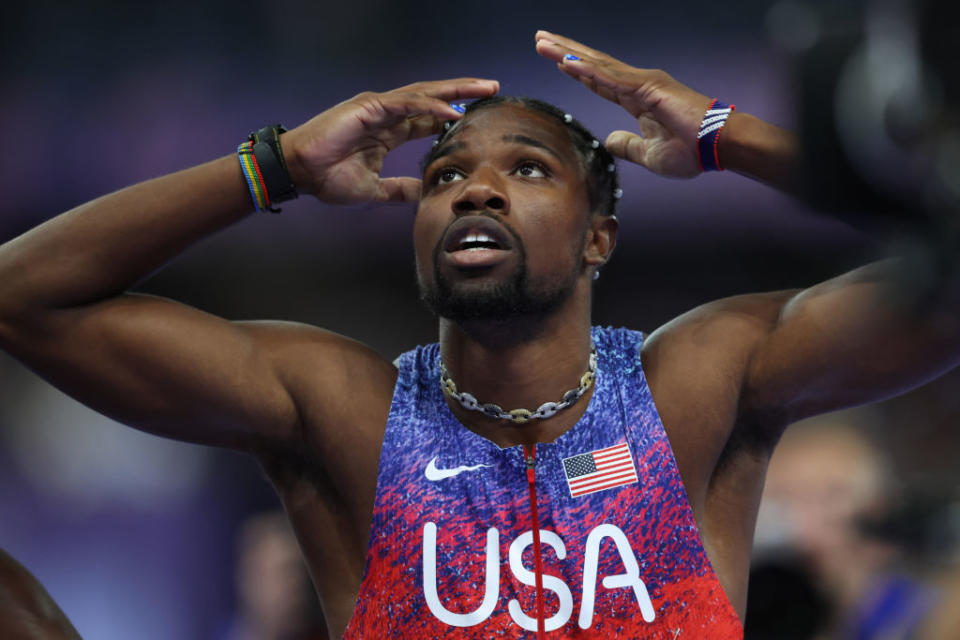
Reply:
x=475, y=238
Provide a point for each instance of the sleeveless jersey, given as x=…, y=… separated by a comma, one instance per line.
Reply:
x=452, y=542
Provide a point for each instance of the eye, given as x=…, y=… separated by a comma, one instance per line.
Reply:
x=448, y=175
x=530, y=169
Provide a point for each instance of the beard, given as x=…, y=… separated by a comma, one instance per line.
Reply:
x=512, y=298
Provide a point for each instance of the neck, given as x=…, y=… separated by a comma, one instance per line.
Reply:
x=533, y=362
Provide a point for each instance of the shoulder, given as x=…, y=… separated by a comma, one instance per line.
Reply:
x=301, y=349
x=709, y=348
x=724, y=331
x=695, y=366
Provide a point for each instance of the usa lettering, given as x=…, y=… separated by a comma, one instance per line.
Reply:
x=491, y=593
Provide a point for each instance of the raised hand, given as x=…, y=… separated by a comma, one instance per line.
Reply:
x=668, y=112
x=338, y=155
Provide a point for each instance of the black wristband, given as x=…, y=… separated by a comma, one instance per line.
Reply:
x=273, y=167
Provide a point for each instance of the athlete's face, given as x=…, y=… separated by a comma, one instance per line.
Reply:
x=503, y=220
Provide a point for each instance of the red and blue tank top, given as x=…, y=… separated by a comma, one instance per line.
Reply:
x=589, y=536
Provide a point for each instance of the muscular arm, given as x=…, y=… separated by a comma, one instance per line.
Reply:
x=150, y=362
x=875, y=332
x=171, y=369
x=762, y=361
x=760, y=150
x=862, y=336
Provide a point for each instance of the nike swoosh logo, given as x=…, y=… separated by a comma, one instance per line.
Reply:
x=434, y=474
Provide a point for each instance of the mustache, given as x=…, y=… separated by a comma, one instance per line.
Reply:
x=486, y=214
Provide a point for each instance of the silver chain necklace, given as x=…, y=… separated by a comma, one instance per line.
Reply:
x=519, y=416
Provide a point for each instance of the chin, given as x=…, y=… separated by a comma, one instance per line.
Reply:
x=486, y=300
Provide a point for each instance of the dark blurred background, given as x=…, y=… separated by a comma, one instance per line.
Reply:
x=135, y=536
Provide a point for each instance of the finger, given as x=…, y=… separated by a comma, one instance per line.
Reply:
x=629, y=88
x=423, y=126
x=570, y=45
x=627, y=145
x=454, y=89
x=605, y=75
x=409, y=129
x=398, y=106
x=601, y=76
x=566, y=55
x=552, y=50
x=607, y=78
x=591, y=84
x=399, y=190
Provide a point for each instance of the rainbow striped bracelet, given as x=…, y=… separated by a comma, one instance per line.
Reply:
x=251, y=171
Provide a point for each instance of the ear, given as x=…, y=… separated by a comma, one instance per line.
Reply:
x=601, y=240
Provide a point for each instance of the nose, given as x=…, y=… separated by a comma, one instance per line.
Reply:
x=483, y=190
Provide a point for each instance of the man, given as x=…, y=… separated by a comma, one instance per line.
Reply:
x=512, y=224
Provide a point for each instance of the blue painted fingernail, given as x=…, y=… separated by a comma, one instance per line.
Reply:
x=459, y=108
x=570, y=56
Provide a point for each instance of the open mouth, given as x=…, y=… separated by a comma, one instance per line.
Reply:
x=475, y=241
x=476, y=233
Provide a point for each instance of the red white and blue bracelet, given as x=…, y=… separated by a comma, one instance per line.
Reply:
x=708, y=138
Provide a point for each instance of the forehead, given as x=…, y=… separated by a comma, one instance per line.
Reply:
x=510, y=122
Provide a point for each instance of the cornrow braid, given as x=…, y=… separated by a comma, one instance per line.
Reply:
x=603, y=187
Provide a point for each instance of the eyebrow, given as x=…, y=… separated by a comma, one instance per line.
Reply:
x=446, y=150
x=531, y=142
x=516, y=138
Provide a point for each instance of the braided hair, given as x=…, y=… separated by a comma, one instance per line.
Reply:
x=603, y=188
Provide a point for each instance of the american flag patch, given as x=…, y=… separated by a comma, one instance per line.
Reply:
x=599, y=470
